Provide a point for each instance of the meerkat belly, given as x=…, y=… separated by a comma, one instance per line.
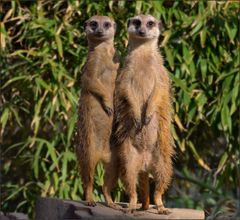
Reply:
x=98, y=122
x=143, y=85
x=146, y=162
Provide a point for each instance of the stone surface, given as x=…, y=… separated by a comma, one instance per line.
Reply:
x=13, y=216
x=56, y=209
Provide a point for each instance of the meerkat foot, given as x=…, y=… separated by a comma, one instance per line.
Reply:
x=91, y=203
x=114, y=206
x=162, y=210
x=144, y=207
x=129, y=210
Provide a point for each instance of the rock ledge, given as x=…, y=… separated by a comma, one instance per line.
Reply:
x=56, y=209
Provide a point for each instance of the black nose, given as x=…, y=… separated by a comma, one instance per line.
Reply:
x=142, y=32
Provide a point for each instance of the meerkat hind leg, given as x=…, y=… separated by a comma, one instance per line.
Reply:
x=133, y=199
x=88, y=179
x=159, y=203
x=130, y=183
x=144, y=190
x=110, y=180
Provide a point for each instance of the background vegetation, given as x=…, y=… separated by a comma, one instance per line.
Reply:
x=43, y=48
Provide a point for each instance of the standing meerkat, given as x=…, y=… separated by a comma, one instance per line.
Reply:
x=141, y=126
x=96, y=101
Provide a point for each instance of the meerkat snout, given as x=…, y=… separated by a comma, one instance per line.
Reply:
x=100, y=28
x=144, y=27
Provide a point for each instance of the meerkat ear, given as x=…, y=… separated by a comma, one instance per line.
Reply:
x=129, y=21
x=85, y=25
x=115, y=26
x=160, y=26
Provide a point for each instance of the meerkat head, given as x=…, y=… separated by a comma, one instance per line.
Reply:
x=144, y=27
x=100, y=28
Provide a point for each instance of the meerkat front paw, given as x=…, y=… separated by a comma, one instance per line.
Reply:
x=108, y=110
x=147, y=119
x=138, y=124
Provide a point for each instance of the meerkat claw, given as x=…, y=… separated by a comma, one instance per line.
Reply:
x=147, y=119
x=91, y=203
x=137, y=124
x=162, y=210
x=108, y=110
x=115, y=206
x=129, y=210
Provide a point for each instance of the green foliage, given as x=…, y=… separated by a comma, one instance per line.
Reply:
x=43, y=49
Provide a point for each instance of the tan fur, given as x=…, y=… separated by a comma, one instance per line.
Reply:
x=96, y=101
x=141, y=135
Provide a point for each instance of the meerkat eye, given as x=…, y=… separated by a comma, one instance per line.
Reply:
x=107, y=25
x=93, y=24
x=150, y=24
x=136, y=22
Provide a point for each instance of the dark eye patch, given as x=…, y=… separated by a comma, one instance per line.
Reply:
x=150, y=24
x=107, y=25
x=136, y=22
x=93, y=24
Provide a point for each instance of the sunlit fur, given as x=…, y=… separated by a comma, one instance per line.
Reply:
x=92, y=34
x=141, y=133
x=96, y=104
x=151, y=33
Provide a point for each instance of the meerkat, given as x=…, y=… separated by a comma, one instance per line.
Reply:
x=96, y=101
x=141, y=133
